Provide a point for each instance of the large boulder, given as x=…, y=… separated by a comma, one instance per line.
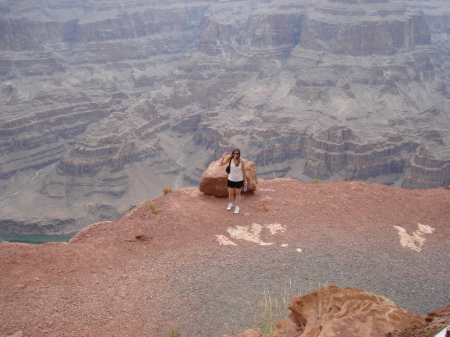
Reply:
x=214, y=179
x=345, y=312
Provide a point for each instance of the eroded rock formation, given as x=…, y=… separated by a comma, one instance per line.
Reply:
x=104, y=103
x=436, y=324
x=334, y=311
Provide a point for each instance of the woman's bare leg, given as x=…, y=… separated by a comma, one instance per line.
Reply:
x=230, y=194
x=238, y=196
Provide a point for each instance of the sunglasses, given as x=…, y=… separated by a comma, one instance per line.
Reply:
x=235, y=153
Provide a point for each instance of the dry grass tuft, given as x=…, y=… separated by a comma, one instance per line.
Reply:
x=166, y=189
x=154, y=208
x=173, y=333
x=276, y=307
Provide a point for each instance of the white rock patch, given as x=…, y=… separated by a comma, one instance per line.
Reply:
x=417, y=239
x=275, y=228
x=249, y=234
x=224, y=241
x=252, y=234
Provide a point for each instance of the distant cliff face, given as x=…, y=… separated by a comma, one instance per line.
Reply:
x=104, y=103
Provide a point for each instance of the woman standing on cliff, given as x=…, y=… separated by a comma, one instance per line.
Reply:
x=236, y=177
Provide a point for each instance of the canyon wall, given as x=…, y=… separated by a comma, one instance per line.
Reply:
x=103, y=103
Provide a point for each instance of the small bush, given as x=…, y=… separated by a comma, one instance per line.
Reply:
x=154, y=208
x=166, y=189
x=173, y=333
x=316, y=181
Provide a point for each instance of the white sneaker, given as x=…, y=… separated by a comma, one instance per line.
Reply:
x=230, y=205
x=236, y=210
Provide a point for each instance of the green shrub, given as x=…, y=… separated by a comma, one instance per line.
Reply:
x=154, y=208
x=316, y=181
x=173, y=333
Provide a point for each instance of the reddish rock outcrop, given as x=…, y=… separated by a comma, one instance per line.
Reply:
x=346, y=312
x=436, y=321
x=248, y=333
x=285, y=328
x=263, y=204
x=214, y=180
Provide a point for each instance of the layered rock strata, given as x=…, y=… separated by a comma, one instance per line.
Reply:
x=102, y=104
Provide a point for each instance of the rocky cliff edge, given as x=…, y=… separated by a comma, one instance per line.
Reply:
x=183, y=262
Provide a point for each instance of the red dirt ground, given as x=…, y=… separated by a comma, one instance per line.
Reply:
x=150, y=272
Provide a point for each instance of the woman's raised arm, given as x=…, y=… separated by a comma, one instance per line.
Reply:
x=223, y=161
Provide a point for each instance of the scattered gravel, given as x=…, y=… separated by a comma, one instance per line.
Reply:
x=149, y=273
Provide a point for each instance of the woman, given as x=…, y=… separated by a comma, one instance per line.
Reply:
x=236, y=178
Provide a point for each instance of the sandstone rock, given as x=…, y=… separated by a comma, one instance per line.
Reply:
x=286, y=328
x=248, y=333
x=251, y=333
x=348, y=312
x=437, y=322
x=438, y=313
x=214, y=180
x=263, y=204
